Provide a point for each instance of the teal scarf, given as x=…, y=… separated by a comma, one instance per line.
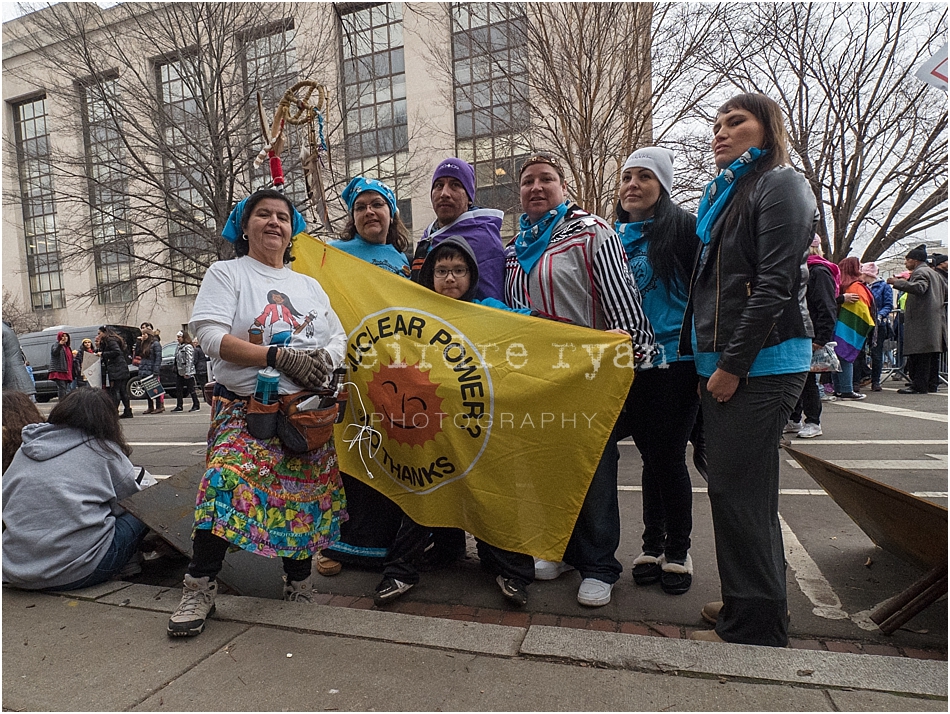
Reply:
x=718, y=191
x=629, y=234
x=532, y=240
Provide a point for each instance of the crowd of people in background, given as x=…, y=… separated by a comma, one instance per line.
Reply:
x=725, y=311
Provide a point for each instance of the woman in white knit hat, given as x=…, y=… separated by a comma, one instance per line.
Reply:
x=660, y=242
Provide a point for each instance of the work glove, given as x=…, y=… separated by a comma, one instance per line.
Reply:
x=309, y=369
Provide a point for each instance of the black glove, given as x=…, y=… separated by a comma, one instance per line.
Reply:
x=308, y=369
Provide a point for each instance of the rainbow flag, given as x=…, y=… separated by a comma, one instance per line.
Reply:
x=855, y=323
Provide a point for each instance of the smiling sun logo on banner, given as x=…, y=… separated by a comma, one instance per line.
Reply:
x=468, y=416
x=428, y=391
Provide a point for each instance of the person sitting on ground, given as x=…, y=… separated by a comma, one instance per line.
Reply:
x=18, y=411
x=64, y=528
x=451, y=270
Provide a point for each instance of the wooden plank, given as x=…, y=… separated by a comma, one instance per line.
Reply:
x=903, y=524
x=168, y=508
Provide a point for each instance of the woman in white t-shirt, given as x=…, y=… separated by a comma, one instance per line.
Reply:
x=255, y=495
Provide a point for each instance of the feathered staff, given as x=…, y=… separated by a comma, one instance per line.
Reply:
x=297, y=111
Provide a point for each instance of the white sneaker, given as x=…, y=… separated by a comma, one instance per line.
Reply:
x=810, y=431
x=549, y=570
x=792, y=427
x=594, y=593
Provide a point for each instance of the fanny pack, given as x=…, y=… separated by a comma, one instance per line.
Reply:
x=299, y=430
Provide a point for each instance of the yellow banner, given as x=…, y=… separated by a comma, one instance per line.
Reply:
x=466, y=415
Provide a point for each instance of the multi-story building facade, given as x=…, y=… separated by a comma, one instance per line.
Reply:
x=100, y=227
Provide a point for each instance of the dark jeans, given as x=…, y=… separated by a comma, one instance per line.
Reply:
x=183, y=383
x=741, y=444
x=119, y=391
x=809, y=403
x=924, y=370
x=659, y=414
x=128, y=535
x=208, y=558
x=411, y=541
x=877, y=360
x=593, y=544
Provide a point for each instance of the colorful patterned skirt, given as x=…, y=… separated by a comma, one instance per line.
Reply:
x=260, y=499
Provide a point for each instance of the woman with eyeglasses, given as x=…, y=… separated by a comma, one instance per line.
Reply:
x=374, y=233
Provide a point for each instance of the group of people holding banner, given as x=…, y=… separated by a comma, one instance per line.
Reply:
x=714, y=302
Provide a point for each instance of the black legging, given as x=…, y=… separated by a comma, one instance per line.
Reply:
x=182, y=383
x=118, y=390
x=209, y=552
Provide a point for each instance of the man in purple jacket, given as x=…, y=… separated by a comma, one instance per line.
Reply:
x=453, y=200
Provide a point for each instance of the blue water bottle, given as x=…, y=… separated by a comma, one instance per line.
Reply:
x=268, y=381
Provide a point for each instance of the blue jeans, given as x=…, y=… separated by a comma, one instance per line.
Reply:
x=596, y=535
x=844, y=380
x=129, y=532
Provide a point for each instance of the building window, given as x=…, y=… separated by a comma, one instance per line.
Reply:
x=270, y=67
x=189, y=250
x=108, y=194
x=491, y=98
x=374, y=94
x=39, y=208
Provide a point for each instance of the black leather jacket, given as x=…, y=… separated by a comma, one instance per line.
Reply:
x=748, y=288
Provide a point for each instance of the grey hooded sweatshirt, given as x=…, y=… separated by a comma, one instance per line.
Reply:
x=60, y=500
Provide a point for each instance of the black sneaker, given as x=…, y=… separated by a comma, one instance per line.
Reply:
x=389, y=589
x=516, y=594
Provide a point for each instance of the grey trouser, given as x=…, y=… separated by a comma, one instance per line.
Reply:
x=742, y=447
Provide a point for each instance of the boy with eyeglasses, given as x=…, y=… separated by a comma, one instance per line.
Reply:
x=450, y=269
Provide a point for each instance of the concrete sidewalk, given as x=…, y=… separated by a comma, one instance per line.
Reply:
x=105, y=649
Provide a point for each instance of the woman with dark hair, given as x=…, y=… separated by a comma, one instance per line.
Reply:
x=855, y=302
x=79, y=380
x=150, y=350
x=752, y=345
x=374, y=231
x=115, y=365
x=185, y=372
x=61, y=364
x=256, y=493
x=64, y=528
x=570, y=266
x=18, y=411
x=660, y=241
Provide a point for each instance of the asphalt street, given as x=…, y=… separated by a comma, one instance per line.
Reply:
x=836, y=575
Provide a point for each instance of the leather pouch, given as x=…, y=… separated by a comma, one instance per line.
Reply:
x=262, y=419
x=302, y=431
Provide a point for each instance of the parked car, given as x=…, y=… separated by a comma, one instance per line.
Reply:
x=168, y=371
x=36, y=348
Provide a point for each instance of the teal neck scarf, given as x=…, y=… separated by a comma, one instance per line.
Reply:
x=533, y=239
x=630, y=233
x=719, y=190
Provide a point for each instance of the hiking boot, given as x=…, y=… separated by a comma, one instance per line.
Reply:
x=646, y=569
x=810, y=431
x=196, y=606
x=515, y=593
x=389, y=589
x=711, y=610
x=299, y=590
